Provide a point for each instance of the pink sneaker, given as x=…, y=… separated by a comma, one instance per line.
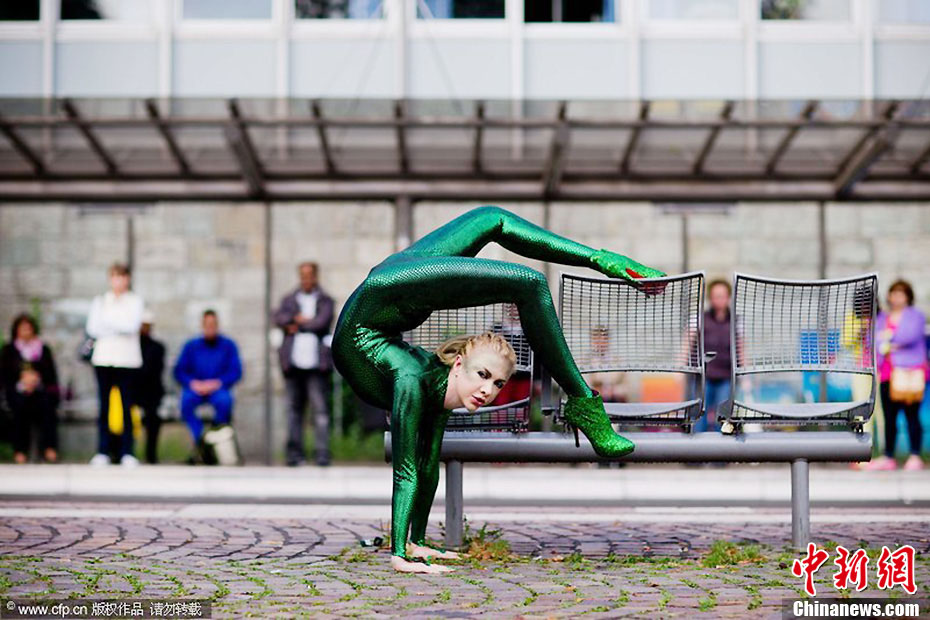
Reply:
x=913, y=463
x=882, y=463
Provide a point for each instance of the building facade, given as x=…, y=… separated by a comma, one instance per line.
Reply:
x=466, y=49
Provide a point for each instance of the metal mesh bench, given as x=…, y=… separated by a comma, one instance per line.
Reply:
x=502, y=318
x=661, y=332
x=614, y=326
x=796, y=327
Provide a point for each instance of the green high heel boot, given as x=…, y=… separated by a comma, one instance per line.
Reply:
x=587, y=413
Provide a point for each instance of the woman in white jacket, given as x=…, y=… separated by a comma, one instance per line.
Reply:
x=114, y=321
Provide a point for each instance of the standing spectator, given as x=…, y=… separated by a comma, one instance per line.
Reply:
x=29, y=378
x=207, y=369
x=902, y=367
x=151, y=387
x=716, y=338
x=306, y=315
x=114, y=321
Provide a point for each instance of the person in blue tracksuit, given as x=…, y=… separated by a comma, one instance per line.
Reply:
x=207, y=369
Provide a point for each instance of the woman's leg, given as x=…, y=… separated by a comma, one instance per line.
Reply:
x=468, y=233
x=427, y=284
x=457, y=282
x=22, y=432
x=914, y=430
x=48, y=425
x=890, y=409
x=126, y=381
x=104, y=383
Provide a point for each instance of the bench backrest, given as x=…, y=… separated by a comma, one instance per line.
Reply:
x=612, y=325
x=803, y=325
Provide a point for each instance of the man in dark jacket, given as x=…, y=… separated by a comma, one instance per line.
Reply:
x=150, y=389
x=716, y=338
x=306, y=315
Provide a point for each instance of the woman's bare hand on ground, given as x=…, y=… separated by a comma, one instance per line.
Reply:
x=420, y=551
x=405, y=566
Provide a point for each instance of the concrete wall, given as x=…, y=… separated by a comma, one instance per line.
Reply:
x=53, y=258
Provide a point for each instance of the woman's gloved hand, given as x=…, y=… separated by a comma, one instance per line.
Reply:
x=619, y=266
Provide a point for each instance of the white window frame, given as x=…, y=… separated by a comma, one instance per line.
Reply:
x=21, y=31
x=457, y=27
x=726, y=29
x=107, y=30
x=813, y=30
x=251, y=29
x=571, y=30
x=576, y=30
x=25, y=30
x=335, y=28
x=902, y=30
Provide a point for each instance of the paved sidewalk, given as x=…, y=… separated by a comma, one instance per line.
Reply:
x=489, y=484
x=283, y=561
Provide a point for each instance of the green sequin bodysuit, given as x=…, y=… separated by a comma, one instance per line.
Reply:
x=440, y=271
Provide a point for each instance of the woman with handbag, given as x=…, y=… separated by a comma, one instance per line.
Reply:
x=903, y=372
x=114, y=321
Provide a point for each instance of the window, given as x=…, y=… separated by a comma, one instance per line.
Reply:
x=903, y=11
x=339, y=9
x=693, y=9
x=227, y=9
x=460, y=9
x=107, y=10
x=808, y=10
x=20, y=11
x=569, y=11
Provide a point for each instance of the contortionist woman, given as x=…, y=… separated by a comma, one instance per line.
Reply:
x=421, y=388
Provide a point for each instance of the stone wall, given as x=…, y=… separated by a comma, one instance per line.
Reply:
x=187, y=257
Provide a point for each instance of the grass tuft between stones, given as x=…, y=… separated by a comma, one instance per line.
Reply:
x=726, y=553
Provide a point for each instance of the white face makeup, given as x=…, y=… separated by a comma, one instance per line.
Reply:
x=477, y=379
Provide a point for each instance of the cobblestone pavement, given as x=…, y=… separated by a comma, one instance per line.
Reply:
x=286, y=567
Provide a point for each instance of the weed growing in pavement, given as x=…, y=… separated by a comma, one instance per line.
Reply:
x=725, y=553
x=708, y=602
x=665, y=599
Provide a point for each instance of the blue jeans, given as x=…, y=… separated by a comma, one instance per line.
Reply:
x=221, y=400
x=715, y=392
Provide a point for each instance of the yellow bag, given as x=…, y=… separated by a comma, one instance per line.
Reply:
x=115, y=415
x=115, y=412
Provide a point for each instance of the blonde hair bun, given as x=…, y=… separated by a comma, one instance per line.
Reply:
x=463, y=345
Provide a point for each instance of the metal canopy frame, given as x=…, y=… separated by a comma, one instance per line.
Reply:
x=329, y=150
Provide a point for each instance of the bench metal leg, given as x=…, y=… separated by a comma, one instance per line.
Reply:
x=454, y=505
x=800, y=504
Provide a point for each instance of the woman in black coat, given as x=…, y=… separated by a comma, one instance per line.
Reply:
x=30, y=382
